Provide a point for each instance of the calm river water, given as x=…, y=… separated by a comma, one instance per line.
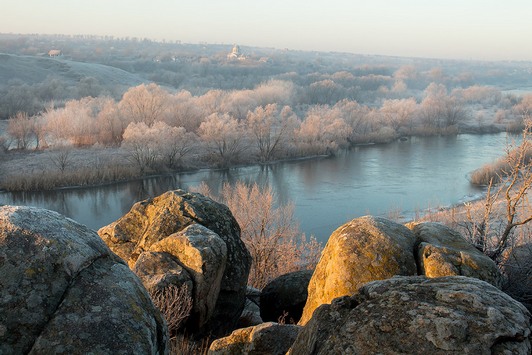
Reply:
x=402, y=176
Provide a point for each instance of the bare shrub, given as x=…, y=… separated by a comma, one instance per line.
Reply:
x=269, y=232
x=61, y=159
x=185, y=345
x=492, y=224
x=518, y=271
x=175, y=304
x=47, y=180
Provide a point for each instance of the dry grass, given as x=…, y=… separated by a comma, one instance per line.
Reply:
x=185, y=345
x=269, y=232
x=175, y=304
x=495, y=171
x=52, y=179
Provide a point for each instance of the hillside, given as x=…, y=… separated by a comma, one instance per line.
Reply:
x=34, y=70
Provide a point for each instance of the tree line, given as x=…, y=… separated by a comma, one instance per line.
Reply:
x=158, y=127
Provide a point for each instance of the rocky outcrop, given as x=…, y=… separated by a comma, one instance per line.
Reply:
x=203, y=255
x=371, y=248
x=365, y=249
x=443, y=251
x=154, y=225
x=63, y=291
x=285, y=296
x=264, y=339
x=251, y=314
x=160, y=270
x=417, y=315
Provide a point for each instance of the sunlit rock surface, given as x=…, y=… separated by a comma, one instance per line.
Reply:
x=372, y=248
x=63, y=291
x=362, y=250
x=443, y=251
x=151, y=221
x=203, y=255
x=264, y=339
x=417, y=315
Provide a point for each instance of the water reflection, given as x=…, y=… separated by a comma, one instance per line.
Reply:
x=327, y=192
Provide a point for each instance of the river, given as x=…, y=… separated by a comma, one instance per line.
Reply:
x=405, y=176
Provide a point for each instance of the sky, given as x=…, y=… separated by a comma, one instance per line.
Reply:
x=459, y=29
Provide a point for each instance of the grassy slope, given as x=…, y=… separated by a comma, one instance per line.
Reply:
x=34, y=70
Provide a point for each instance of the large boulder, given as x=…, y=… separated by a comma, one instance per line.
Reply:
x=63, y=291
x=160, y=270
x=417, y=315
x=251, y=314
x=443, y=251
x=151, y=221
x=285, y=296
x=203, y=254
x=264, y=339
x=362, y=250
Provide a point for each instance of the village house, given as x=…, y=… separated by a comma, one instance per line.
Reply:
x=54, y=53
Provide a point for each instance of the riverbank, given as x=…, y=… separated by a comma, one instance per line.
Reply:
x=43, y=170
x=403, y=175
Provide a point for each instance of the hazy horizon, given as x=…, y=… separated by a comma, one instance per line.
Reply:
x=479, y=30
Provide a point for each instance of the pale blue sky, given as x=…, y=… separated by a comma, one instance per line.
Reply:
x=464, y=29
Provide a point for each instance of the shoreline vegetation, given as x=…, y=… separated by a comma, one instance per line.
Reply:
x=151, y=131
x=88, y=167
x=72, y=169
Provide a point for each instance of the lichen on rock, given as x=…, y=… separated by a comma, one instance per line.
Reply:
x=63, y=291
x=418, y=315
x=153, y=225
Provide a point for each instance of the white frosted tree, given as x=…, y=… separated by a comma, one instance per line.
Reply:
x=270, y=129
x=399, y=113
x=144, y=103
x=21, y=128
x=111, y=124
x=174, y=143
x=140, y=144
x=185, y=111
x=159, y=143
x=355, y=115
x=439, y=110
x=223, y=137
x=323, y=131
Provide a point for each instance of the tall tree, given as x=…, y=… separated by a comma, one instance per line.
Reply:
x=144, y=103
x=223, y=136
x=270, y=129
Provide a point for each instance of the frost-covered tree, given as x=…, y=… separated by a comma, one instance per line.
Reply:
x=323, y=131
x=223, y=137
x=144, y=103
x=399, y=113
x=159, y=143
x=271, y=130
x=21, y=128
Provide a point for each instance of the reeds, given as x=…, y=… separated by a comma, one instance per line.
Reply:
x=52, y=179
